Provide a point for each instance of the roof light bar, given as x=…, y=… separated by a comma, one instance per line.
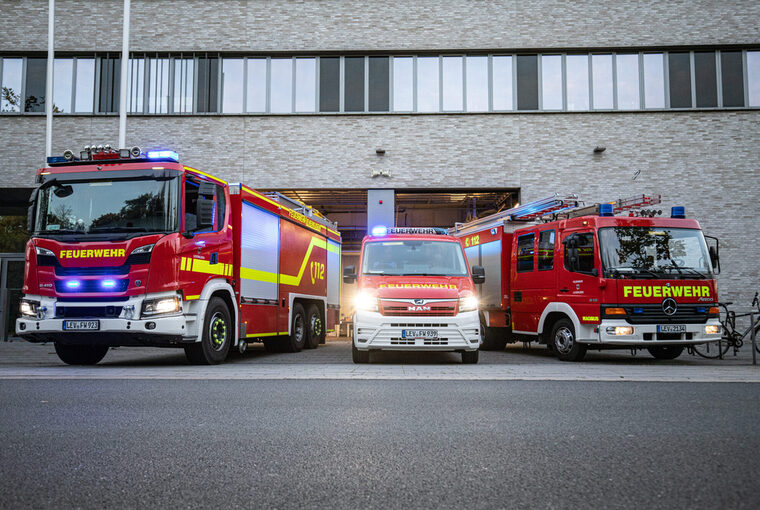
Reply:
x=163, y=155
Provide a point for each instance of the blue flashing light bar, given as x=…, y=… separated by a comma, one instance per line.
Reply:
x=56, y=159
x=379, y=230
x=678, y=211
x=73, y=284
x=108, y=284
x=638, y=310
x=606, y=210
x=163, y=155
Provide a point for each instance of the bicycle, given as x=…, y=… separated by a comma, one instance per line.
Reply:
x=731, y=338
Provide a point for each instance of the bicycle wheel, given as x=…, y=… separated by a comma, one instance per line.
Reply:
x=713, y=350
x=748, y=335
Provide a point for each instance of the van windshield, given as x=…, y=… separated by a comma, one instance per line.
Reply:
x=414, y=258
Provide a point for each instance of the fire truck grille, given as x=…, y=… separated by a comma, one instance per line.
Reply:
x=653, y=314
x=91, y=286
x=87, y=312
x=426, y=341
x=419, y=325
x=435, y=311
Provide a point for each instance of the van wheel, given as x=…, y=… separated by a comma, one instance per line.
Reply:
x=359, y=356
x=217, y=336
x=666, y=351
x=298, y=331
x=493, y=338
x=315, y=327
x=80, y=354
x=470, y=357
x=565, y=344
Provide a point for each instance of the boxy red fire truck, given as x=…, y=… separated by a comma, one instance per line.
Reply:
x=415, y=293
x=575, y=278
x=133, y=249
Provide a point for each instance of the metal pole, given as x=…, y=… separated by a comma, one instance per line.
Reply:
x=49, y=83
x=752, y=333
x=123, y=86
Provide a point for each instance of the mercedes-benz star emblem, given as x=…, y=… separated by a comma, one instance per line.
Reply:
x=419, y=301
x=669, y=306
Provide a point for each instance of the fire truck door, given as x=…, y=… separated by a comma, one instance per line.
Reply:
x=524, y=303
x=577, y=285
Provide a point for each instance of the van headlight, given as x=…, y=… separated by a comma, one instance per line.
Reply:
x=161, y=306
x=28, y=308
x=365, y=301
x=468, y=304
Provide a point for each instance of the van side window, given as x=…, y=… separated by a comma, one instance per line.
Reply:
x=525, y=251
x=546, y=250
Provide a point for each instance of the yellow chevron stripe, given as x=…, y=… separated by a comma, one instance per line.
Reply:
x=259, y=276
x=333, y=249
x=296, y=280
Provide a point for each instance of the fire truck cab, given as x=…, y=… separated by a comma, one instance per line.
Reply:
x=590, y=279
x=133, y=249
x=415, y=293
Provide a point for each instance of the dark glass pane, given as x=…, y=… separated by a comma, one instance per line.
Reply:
x=110, y=81
x=329, y=87
x=525, y=251
x=527, y=82
x=208, y=84
x=680, y=80
x=36, y=73
x=705, y=79
x=378, y=84
x=732, y=78
x=546, y=250
x=354, y=84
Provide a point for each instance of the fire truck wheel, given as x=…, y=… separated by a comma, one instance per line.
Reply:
x=666, y=351
x=217, y=336
x=470, y=357
x=315, y=327
x=563, y=337
x=298, y=331
x=359, y=356
x=80, y=354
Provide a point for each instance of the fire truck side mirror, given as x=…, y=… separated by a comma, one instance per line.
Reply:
x=31, y=210
x=349, y=274
x=714, y=249
x=204, y=214
x=478, y=274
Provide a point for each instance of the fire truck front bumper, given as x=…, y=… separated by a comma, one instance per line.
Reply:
x=374, y=331
x=94, y=326
x=620, y=332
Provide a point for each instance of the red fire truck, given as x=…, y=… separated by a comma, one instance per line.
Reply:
x=415, y=293
x=133, y=249
x=575, y=278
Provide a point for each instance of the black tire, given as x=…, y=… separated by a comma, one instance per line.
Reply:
x=315, y=327
x=80, y=354
x=359, y=356
x=493, y=338
x=298, y=331
x=564, y=342
x=217, y=336
x=666, y=351
x=470, y=357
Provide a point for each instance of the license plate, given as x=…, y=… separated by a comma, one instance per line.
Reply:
x=81, y=325
x=671, y=328
x=419, y=333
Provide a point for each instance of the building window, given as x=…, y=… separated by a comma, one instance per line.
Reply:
x=577, y=82
x=12, y=79
x=527, y=82
x=732, y=78
x=136, y=85
x=232, y=85
x=753, y=77
x=378, y=84
x=281, y=88
x=36, y=72
x=256, y=85
x=207, y=92
x=158, y=92
x=403, y=84
x=329, y=84
x=427, y=84
x=477, y=84
x=354, y=84
x=306, y=84
x=501, y=86
x=604, y=98
x=705, y=79
x=679, y=70
x=452, y=81
x=183, y=85
x=63, y=74
x=85, y=85
x=551, y=82
x=627, y=68
x=110, y=72
x=654, y=80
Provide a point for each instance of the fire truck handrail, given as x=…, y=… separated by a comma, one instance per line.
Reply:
x=300, y=207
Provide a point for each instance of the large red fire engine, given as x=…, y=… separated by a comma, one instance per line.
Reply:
x=576, y=278
x=137, y=249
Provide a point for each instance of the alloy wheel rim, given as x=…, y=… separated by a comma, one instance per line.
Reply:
x=316, y=324
x=563, y=340
x=217, y=331
x=298, y=328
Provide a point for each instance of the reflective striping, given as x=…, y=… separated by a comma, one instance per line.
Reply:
x=296, y=280
x=205, y=267
x=333, y=249
x=253, y=335
x=190, y=298
x=256, y=275
x=205, y=174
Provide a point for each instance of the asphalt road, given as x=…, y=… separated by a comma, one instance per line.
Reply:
x=382, y=444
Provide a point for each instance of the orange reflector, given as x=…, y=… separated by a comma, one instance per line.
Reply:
x=614, y=311
x=714, y=310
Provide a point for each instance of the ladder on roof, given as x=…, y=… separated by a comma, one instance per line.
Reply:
x=618, y=206
x=300, y=207
x=550, y=205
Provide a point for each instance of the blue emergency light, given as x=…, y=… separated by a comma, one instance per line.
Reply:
x=108, y=284
x=56, y=159
x=73, y=284
x=379, y=230
x=606, y=210
x=163, y=155
x=678, y=211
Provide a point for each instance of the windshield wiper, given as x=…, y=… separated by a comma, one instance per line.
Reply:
x=117, y=229
x=636, y=271
x=694, y=271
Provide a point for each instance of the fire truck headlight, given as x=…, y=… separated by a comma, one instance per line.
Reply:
x=148, y=248
x=712, y=329
x=161, y=306
x=44, y=251
x=620, y=330
x=365, y=301
x=468, y=304
x=28, y=308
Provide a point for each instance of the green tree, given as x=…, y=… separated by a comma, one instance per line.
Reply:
x=13, y=234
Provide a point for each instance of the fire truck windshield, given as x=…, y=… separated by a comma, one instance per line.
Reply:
x=107, y=207
x=413, y=257
x=654, y=252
